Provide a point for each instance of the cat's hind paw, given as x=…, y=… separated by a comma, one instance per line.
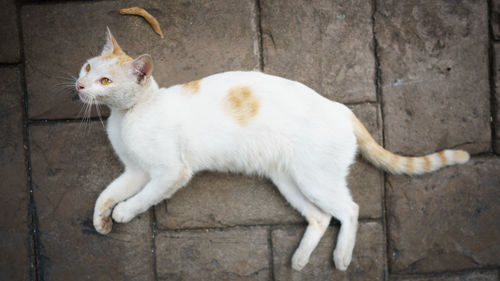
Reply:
x=342, y=259
x=122, y=214
x=299, y=261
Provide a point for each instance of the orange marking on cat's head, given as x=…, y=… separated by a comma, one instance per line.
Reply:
x=241, y=104
x=192, y=87
x=117, y=53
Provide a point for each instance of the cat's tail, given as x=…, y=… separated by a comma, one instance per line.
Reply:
x=397, y=164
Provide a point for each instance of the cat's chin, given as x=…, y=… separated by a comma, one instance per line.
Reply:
x=87, y=99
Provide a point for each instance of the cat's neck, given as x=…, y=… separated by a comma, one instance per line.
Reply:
x=148, y=91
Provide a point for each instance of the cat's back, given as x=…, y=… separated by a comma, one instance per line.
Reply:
x=223, y=116
x=262, y=84
x=250, y=99
x=242, y=88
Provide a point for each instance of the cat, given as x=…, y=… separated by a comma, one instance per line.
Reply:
x=245, y=122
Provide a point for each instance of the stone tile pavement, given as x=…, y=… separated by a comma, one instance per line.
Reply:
x=422, y=75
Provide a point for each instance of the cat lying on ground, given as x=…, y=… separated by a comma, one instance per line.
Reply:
x=246, y=122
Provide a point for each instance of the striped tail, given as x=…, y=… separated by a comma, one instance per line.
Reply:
x=397, y=164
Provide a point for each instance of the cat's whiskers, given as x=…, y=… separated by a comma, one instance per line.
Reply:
x=98, y=109
x=67, y=78
x=87, y=106
x=89, y=113
x=80, y=114
x=83, y=111
x=67, y=86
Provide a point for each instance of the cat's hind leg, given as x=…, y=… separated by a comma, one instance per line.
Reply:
x=126, y=185
x=163, y=184
x=318, y=220
x=330, y=193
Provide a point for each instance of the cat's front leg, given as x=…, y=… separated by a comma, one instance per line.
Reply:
x=126, y=185
x=160, y=187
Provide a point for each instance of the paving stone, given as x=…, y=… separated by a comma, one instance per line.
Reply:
x=370, y=116
x=9, y=49
x=434, y=66
x=497, y=98
x=367, y=263
x=218, y=199
x=71, y=165
x=365, y=181
x=215, y=200
x=326, y=45
x=474, y=276
x=201, y=38
x=447, y=220
x=14, y=198
x=232, y=254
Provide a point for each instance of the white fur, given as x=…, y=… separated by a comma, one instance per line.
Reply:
x=300, y=140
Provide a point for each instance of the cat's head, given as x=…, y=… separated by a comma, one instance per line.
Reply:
x=114, y=78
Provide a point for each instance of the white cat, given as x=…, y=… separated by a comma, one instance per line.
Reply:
x=247, y=122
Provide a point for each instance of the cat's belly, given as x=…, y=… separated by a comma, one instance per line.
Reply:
x=259, y=154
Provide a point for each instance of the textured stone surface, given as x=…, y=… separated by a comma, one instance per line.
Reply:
x=367, y=263
x=495, y=18
x=435, y=94
x=215, y=200
x=71, y=165
x=474, y=276
x=434, y=67
x=203, y=38
x=369, y=115
x=235, y=254
x=200, y=38
x=9, y=49
x=365, y=181
x=447, y=220
x=14, y=198
x=496, y=122
x=326, y=45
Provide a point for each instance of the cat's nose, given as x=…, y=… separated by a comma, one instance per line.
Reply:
x=79, y=86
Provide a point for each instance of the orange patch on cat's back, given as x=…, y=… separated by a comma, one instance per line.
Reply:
x=241, y=104
x=192, y=87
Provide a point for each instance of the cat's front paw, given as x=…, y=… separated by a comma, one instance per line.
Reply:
x=122, y=213
x=102, y=217
x=103, y=225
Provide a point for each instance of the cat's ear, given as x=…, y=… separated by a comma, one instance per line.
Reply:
x=141, y=68
x=111, y=47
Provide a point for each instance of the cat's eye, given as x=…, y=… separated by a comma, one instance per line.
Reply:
x=87, y=68
x=105, y=81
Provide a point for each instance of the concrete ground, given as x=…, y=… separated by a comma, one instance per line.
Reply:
x=422, y=75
